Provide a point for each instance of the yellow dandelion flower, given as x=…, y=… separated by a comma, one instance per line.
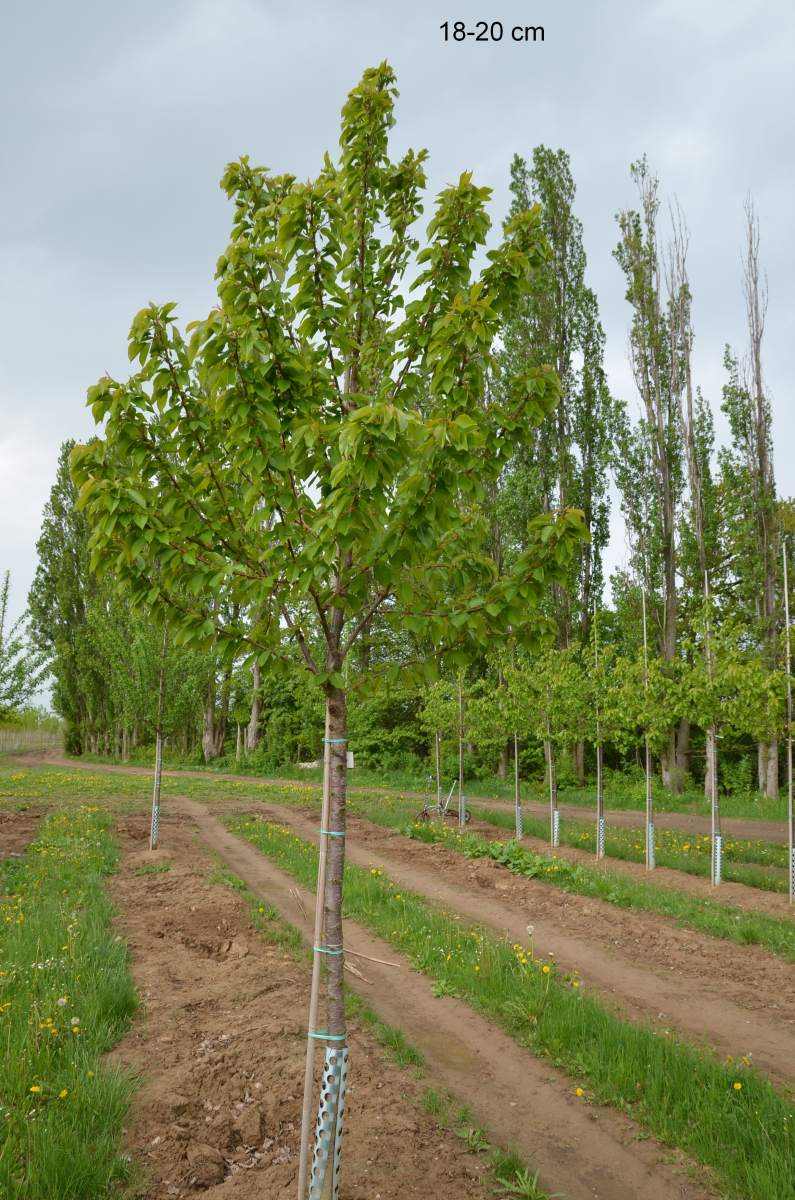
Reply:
x=580, y=1092
x=737, y=1085
x=546, y=968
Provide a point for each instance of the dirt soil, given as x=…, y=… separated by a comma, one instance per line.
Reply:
x=737, y=999
x=17, y=831
x=744, y=829
x=220, y=1041
x=583, y=1151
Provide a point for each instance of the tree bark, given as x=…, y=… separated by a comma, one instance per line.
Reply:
x=502, y=765
x=683, y=747
x=771, y=773
x=578, y=760
x=210, y=730
x=252, y=731
x=338, y=728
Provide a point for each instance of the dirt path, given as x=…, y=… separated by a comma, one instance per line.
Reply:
x=583, y=1151
x=745, y=829
x=739, y=1000
x=17, y=830
x=220, y=1040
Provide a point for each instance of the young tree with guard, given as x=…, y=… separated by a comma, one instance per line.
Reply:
x=316, y=451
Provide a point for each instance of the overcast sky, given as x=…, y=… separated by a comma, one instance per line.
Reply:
x=118, y=120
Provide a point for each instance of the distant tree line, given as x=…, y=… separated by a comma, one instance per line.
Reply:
x=706, y=530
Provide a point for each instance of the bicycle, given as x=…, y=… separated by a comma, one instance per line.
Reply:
x=442, y=809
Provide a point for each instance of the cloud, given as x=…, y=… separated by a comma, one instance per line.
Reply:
x=125, y=115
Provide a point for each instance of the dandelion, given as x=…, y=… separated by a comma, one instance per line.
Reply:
x=580, y=1092
x=546, y=968
x=35, y=1088
x=63, y=1094
x=737, y=1085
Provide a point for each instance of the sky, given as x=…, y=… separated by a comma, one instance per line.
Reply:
x=120, y=118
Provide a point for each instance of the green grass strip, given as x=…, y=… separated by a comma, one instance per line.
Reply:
x=65, y=998
x=726, y=1116
x=710, y=916
x=705, y=916
x=753, y=863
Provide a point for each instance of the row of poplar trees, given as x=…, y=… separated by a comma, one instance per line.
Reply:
x=698, y=521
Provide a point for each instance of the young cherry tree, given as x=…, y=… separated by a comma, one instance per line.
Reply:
x=316, y=451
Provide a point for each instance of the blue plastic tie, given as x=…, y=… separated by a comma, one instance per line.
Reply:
x=335, y=739
x=333, y=832
x=322, y=1036
x=326, y=950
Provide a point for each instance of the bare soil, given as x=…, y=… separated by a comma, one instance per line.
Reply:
x=582, y=1150
x=17, y=831
x=220, y=1042
x=736, y=999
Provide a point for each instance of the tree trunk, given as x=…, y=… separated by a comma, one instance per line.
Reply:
x=338, y=727
x=668, y=772
x=125, y=743
x=683, y=748
x=578, y=760
x=771, y=772
x=252, y=731
x=708, y=773
x=502, y=765
x=239, y=743
x=210, y=732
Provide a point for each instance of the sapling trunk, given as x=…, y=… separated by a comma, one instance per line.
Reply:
x=600, y=802
x=328, y=937
x=554, y=815
x=461, y=800
x=438, y=768
x=516, y=798
x=790, y=807
x=154, y=831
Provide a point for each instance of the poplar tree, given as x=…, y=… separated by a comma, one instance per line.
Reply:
x=751, y=525
x=649, y=460
x=316, y=451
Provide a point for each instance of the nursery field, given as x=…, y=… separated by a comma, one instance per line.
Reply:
x=525, y=1023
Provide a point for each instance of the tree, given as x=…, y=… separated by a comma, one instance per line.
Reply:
x=751, y=525
x=317, y=450
x=58, y=599
x=21, y=670
x=649, y=462
x=567, y=461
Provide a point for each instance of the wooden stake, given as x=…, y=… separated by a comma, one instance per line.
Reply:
x=790, y=810
x=314, y=993
x=600, y=799
x=461, y=820
x=649, y=796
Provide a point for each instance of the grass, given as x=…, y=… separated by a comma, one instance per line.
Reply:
x=725, y=1115
x=726, y=921
x=65, y=998
x=157, y=868
x=624, y=791
x=52, y=784
x=753, y=863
